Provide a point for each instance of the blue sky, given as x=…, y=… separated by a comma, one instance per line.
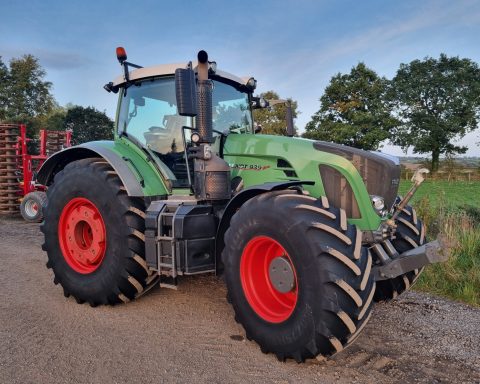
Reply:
x=292, y=47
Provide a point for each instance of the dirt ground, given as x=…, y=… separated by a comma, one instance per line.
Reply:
x=190, y=335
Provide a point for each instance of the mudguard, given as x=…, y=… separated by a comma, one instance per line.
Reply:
x=59, y=160
x=237, y=201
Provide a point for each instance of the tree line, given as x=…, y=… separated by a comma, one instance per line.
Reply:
x=26, y=97
x=427, y=106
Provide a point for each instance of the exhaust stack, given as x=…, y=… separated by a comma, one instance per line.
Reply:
x=211, y=173
x=204, y=97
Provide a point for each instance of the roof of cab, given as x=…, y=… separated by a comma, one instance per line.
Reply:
x=169, y=69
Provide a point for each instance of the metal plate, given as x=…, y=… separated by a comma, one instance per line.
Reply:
x=281, y=274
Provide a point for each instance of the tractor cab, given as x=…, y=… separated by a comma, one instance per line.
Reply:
x=148, y=114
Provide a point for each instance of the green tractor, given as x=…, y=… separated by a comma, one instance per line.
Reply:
x=307, y=234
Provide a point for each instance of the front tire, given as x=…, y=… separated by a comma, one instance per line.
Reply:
x=94, y=235
x=410, y=234
x=330, y=288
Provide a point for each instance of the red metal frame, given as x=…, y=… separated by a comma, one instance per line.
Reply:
x=32, y=163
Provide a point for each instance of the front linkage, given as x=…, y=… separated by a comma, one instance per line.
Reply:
x=407, y=262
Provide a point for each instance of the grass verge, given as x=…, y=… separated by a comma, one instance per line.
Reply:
x=452, y=210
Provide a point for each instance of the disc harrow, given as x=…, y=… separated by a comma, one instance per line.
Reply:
x=18, y=167
x=10, y=191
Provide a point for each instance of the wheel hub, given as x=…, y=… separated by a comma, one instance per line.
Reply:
x=31, y=208
x=281, y=274
x=82, y=235
x=268, y=279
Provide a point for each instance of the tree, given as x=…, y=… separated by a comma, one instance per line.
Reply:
x=437, y=101
x=53, y=120
x=4, y=74
x=88, y=124
x=353, y=110
x=273, y=119
x=24, y=93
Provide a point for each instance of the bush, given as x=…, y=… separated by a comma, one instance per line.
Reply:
x=459, y=277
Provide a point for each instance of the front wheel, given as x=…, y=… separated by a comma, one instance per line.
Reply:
x=410, y=234
x=297, y=275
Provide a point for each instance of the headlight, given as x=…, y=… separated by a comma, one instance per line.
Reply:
x=252, y=83
x=378, y=204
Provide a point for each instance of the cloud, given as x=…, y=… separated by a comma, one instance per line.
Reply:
x=391, y=40
x=50, y=59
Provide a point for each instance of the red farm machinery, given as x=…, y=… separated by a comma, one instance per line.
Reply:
x=18, y=167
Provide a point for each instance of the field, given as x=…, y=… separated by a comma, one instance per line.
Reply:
x=453, y=210
x=452, y=194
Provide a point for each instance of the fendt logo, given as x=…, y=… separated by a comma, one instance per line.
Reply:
x=249, y=167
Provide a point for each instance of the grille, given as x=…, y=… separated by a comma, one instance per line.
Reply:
x=338, y=191
x=380, y=172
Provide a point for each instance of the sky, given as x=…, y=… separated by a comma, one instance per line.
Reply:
x=292, y=47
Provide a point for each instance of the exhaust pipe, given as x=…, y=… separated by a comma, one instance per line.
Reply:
x=204, y=97
x=211, y=173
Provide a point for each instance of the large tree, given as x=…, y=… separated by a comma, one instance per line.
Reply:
x=273, y=119
x=4, y=74
x=353, y=110
x=24, y=94
x=437, y=101
x=88, y=124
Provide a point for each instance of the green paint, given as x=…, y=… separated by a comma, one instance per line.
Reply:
x=254, y=158
x=262, y=151
x=154, y=183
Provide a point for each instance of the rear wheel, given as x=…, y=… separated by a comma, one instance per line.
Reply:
x=297, y=276
x=410, y=234
x=94, y=235
x=32, y=206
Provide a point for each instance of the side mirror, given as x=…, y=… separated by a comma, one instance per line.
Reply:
x=259, y=103
x=289, y=118
x=258, y=128
x=186, y=92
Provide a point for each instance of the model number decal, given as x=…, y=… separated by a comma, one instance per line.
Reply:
x=249, y=167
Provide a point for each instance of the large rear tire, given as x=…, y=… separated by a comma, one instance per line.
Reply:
x=410, y=234
x=94, y=235
x=327, y=274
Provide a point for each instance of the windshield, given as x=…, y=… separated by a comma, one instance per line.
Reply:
x=231, y=109
x=149, y=113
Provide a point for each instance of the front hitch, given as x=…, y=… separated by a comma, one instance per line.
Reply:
x=394, y=265
x=417, y=179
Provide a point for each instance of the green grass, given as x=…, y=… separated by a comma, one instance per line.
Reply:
x=453, y=210
x=449, y=193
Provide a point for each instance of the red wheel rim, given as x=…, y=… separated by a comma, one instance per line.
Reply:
x=268, y=303
x=82, y=235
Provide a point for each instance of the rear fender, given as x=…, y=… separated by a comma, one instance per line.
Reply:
x=58, y=161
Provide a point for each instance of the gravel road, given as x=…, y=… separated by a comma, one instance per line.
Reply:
x=190, y=335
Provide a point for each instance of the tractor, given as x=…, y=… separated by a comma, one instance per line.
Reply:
x=307, y=234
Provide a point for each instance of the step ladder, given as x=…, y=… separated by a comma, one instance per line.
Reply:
x=167, y=266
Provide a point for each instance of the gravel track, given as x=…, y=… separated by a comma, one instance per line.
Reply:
x=190, y=335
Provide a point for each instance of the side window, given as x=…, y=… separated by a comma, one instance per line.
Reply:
x=231, y=110
x=149, y=113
